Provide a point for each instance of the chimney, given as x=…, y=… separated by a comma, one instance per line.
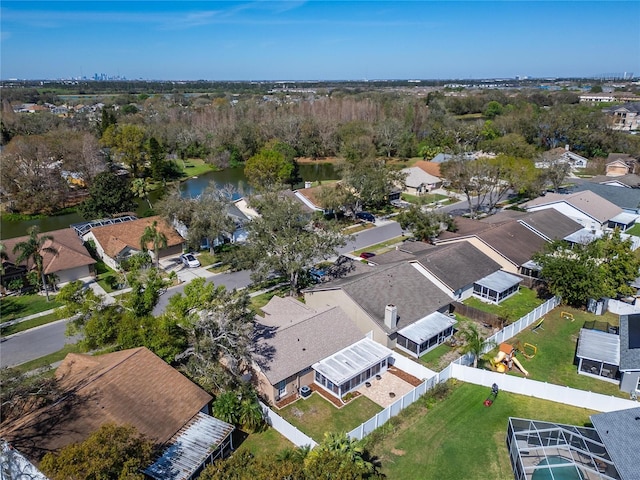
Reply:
x=391, y=316
x=307, y=184
x=566, y=147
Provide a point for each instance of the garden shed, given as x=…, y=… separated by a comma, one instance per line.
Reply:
x=598, y=354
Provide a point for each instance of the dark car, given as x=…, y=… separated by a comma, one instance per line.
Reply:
x=366, y=255
x=366, y=216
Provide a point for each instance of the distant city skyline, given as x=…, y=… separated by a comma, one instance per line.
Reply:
x=318, y=40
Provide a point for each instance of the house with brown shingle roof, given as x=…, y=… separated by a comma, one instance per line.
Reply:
x=431, y=168
x=619, y=164
x=133, y=387
x=118, y=241
x=71, y=260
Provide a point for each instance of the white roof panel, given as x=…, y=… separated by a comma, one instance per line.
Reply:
x=350, y=361
x=599, y=346
x=499, y=281
x=427, y=327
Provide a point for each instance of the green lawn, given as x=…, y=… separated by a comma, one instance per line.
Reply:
x=460, y=438
x=315, y=415
x=24, y=305
x=439, y=358
x=513, y=308
x=381, y=247
x=635, y=230
x=556, y=343
x=27, y=324
x=261, y=300
x=106, y=277
x=193, y=167
x=424, y=199
x=269, y=442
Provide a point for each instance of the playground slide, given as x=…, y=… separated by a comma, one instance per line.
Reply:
x=500, y=357
x=519, y=365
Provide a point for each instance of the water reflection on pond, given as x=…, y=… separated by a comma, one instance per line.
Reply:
x=233, y=177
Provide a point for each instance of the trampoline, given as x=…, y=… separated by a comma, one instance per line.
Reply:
x=558, y=469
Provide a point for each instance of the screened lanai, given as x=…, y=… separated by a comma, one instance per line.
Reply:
x=497, y=286
x=548, y=451
x=425, y=334
x=598, y=353
x=352, y=366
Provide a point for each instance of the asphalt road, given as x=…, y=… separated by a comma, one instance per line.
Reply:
x=34, y=343
x=50, y=338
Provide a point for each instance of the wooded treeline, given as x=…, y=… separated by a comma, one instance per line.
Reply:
x=228, y=130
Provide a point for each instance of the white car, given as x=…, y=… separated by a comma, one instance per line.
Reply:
x=189, y=260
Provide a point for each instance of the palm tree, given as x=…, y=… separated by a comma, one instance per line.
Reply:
x=474, y=343
x=156, y=237
x=3, y=257
x=141, y=188
x=32, y=249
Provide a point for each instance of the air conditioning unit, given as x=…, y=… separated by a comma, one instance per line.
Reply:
x=305, y=391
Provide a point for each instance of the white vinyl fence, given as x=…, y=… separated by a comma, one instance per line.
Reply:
x=542, y=390
x=458, y=369
x=294, y=435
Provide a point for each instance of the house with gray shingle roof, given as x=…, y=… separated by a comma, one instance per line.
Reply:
x=291, y=337
x=630, y=353
x=586, y=208
x=626, y=198
x=418, y=182
x=384, y=301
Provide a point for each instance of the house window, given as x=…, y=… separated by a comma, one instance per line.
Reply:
x=638, y=385
x=282, y=388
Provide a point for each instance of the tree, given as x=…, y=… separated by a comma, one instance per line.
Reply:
x=473, y=342
x=221, y=332
x=32, y=250
x=128, y=142
x=269, y=167
x=424, y=225
x=240, y=408
x=3, y=256
x=108, y=194
x=602, y=268
x=156, y=238
x=556, y=172
x=206, y=216
x=21, y=392
x=112, y=452
x=141, y=187
x=284, y=241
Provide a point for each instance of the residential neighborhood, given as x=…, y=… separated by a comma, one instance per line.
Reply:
x=464, y=296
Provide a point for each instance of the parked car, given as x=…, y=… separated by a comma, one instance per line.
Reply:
x=366, y=255
x=366, y=216
x=318, y=275
x=190, y=260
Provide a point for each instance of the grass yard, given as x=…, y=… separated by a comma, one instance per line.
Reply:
x=439, y=358
x=513, y=308
x=556, y=343
x=424, y=199
x=381, y=247
x=262, y=444
x=635, y=230
x=460, y=438
x=193, y=167
x=315, y=415
x=261, y=300
x=27, y=324
x=24, y=305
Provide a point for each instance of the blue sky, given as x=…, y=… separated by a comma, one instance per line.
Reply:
x=318, y=40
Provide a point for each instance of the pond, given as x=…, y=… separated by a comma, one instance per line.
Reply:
x=233, y=177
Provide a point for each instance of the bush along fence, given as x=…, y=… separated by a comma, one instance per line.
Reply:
x=460, y=370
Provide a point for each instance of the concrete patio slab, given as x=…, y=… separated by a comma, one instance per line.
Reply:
x=386, y=390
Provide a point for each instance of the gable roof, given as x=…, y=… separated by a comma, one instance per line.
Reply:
x=630, y=342
x=287, y=343
x=629, y=180
x=432, y=168
x=400, y=284
x=619, y=431
x=115, y=238
x=587, y=202
x=549, y=224
x=514, y=241
x=458, y=265
x=627, y=198
x=416, y=177
x=70, y=251
x=128, y=387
